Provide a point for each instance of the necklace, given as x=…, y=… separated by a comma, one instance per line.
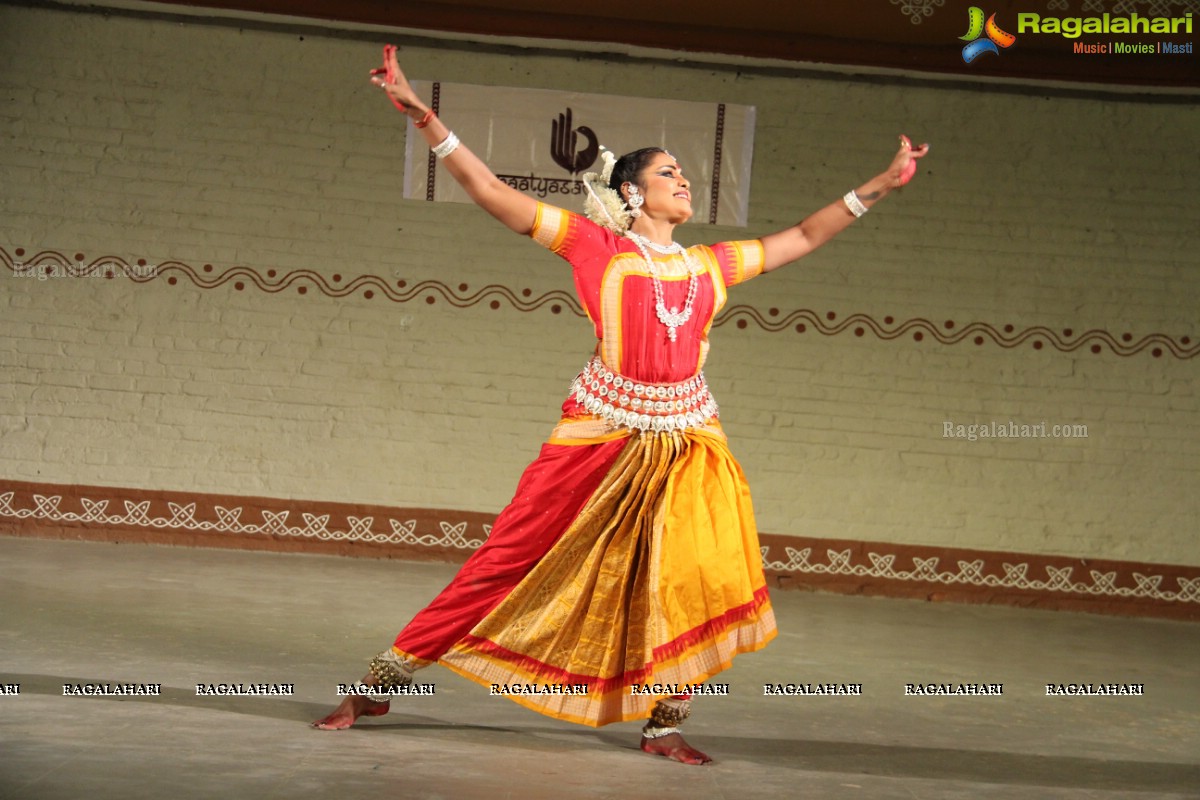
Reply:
x=672, y=318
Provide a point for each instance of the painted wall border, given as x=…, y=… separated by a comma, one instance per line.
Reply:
x=53, y=265
x=119, y=514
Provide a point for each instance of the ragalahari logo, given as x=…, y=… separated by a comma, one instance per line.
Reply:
x=976, y=27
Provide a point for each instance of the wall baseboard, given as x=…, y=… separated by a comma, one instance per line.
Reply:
x=193, y=519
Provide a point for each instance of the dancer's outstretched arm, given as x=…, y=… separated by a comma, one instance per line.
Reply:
x=818, y=228
x=515, y=209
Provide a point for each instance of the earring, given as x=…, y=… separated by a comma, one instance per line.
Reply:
x=635, y=202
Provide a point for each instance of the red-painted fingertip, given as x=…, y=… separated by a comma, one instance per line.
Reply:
x=389, y=52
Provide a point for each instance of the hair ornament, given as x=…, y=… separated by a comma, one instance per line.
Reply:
x=603, y=204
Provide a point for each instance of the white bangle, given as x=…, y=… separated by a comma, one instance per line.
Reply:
x=854, y=204
x=448, y=146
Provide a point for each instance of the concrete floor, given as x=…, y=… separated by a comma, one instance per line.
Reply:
x=75, y=612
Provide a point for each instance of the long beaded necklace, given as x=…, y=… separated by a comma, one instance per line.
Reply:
x=672, y=318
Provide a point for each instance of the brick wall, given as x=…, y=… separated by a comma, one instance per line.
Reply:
x=1068, y=216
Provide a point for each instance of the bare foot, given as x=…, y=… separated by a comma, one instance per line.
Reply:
x=675, y=748
x=351, y=708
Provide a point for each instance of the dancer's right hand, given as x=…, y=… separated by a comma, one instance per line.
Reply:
x=392, y=80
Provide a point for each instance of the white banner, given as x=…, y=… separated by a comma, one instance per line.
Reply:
x=542, y=141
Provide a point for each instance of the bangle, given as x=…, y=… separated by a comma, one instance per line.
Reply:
x=448, y=146
x=425, y=120
x=854, y=204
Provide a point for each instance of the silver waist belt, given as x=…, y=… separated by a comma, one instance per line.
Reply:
x=643, y=406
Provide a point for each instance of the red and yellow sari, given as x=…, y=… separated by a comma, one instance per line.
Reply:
x=625, y=558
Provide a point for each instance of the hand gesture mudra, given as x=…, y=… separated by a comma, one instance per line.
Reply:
x=904, y=165
x=391, y=79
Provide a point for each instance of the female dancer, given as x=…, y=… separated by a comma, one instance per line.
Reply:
x=626, y=571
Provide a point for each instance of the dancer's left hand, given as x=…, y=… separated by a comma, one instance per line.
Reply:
x=904, y=165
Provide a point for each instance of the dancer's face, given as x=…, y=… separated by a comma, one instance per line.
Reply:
x=667, y=192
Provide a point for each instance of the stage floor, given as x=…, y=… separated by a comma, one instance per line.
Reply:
x=77, y=613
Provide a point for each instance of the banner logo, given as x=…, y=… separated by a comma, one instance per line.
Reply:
x=976, y=28
x=539, y=141
x=564, y=141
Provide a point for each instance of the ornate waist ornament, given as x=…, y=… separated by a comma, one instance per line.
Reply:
x=643, y=406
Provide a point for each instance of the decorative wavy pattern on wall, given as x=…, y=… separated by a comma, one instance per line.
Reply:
x=50, y=265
